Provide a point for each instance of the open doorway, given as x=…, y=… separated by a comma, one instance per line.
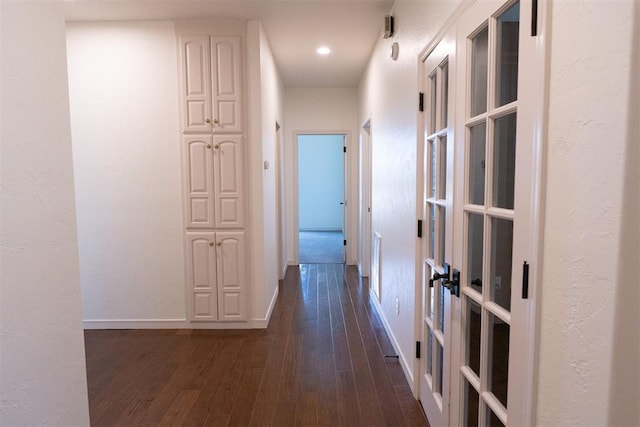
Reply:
x=321, y=201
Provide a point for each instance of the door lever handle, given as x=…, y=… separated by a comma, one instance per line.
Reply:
x=454, y=284
x=438, y=276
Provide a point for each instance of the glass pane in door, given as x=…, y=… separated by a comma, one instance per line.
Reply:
x=479, y=65
x=501, y=250
x=504, y=161
x=477, y=143
x=433, y=103
x=475, y=230
x=444, y=114
x=492, y=419
x=508, y=27
x=499, y=355
x=471, y=406
x=474, y=325
x=442, y=167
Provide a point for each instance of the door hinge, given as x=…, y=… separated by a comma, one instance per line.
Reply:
x=344, y=149
x=534, y=18
x=344, y=243
x=421, y=101
x=417, y=349
x=525, y=280
x=419, y=229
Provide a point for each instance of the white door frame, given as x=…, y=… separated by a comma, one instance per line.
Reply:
x=347, y=185
x=364, y=206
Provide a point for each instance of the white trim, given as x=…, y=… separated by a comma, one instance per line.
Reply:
x=406, y=367
x=163, y=324
x=263, y=323
x=347, y=183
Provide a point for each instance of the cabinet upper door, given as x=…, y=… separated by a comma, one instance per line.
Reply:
x=198, y=181
x=196, y=83
x=228, y=183
x=226, y=77
x=232, y=292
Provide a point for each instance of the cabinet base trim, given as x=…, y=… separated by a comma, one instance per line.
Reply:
x=163, y=324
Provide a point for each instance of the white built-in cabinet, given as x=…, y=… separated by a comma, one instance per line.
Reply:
x=216, y=275
x=213, y=170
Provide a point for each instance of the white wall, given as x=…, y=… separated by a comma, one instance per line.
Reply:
x=267, y=92
x=124, y=117
x=589, y=281
x=388, y=96
x=328, y=110
x=320, y=182
x=43, y=375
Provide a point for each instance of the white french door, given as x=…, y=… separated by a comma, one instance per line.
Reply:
x=436, y=150
x=484, y=336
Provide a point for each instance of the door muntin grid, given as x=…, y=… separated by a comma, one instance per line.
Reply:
x=435, y=208
x=490, y=144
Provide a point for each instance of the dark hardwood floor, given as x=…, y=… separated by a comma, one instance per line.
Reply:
x=322, y=361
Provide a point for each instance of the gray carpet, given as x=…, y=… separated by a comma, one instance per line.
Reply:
x=321, y=247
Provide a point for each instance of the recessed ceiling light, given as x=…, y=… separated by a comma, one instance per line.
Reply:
x=323, y=50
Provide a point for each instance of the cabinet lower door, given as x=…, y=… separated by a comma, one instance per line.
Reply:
x=202, y=277
x=232, y=294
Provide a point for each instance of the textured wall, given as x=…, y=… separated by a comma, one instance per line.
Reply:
x=126, y=148
x=42, y=365
x=589, y=119
x=388, y=96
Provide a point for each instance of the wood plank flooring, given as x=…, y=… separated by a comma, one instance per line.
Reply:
x=321, y=362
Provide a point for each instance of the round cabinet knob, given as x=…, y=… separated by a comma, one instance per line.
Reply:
x=216, y=146
x=216, y=121
x=210, y=243
x=219, y=243
x=208, y=145
x=208, y=121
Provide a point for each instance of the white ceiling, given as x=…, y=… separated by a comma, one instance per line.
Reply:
x=295, y=28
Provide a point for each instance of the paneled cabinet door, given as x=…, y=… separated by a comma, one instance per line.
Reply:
x=228, y=184
x=201, y=276
x=211, y=84
x=232, y=293
x=195, y=61
x=226, y=78
x=198, y=178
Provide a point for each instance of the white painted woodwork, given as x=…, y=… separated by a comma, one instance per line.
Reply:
x=228, y=182
x=232, y=295
x=216, y=276
x=226, y=83
x=196, y=84
x=201, y=276
x=199, y=185
x=211, y=84
x=211, y=88
x=438, y=303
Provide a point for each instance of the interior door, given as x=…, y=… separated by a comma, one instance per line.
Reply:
x=437, y=174
x=493, y=213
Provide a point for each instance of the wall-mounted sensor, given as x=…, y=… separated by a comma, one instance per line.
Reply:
x=388, y=26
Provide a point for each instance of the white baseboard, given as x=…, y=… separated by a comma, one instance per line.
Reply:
x=136, y=324
x=263, y=323
x=406, y=368
x=163, y=324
